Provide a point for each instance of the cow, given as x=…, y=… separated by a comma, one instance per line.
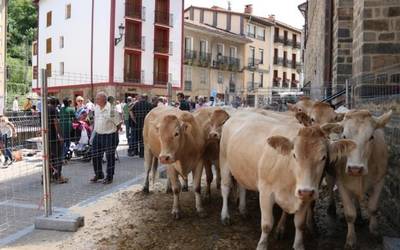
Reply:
x=303, y=105
x=211, y=120
x=283, y=162
x=176, y=139
x=364, y=169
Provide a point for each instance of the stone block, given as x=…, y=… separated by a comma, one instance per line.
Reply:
x=369, y=36
x=386, y=37
x=349, y=59
x=381, y=48
x=366, y=63
x=343, y=33
x=376, y=25
x=344, y=68
x=66, y=222
x=394, y=11
x=368, y=13
x=340, y=59
x=344, y=52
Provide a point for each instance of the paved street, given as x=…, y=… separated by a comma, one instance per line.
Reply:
x=21, y=189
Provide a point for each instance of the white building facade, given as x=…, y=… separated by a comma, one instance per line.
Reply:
x=124, y=47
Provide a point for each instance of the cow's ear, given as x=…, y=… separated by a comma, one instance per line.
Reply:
x=329, y=128
x=220, y=115
x=339, y=117
x=281, y=144
x=340, y=148
x=304, y=119
x=381, y=121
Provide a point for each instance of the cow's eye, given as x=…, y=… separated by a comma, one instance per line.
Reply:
x=312, y=120
x=344, y=137
x=294, y=156
x=176, y=134
x=323, y=158
x=371, y=138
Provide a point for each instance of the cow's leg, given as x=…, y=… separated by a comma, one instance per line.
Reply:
x=330, y=180
x=169, y=187
x=242, y=201
x=350, y=213
x=185, y=185
x=209, y=177
x=176, y=189
x=267, y=218
x=310, y=222
x=198, y=171
x=148, y=162
x=226, y=183
x=299, y=223
x=218, y=173
x=373, y=206
x=280, y=228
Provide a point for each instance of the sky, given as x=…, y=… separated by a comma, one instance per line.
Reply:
x=284, y=10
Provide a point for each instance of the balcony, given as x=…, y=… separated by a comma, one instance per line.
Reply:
x=189, y=56
x=220, y=62
x=134, y=10
x=285, y=62
x=161, y=46
x=251, y=85
x=293, y=64
x=294, y=84
x=232, y=87
x=253, y=62
x=160, y=78
x=133, y=41
x=252, y=35
x=287, y=42
x=133, y=76
x=163, y=18
x=204, y=59
x=296, y=45
x=188, y=86
x=233, y=63
x=276, y=82
x=278, y=61
x=285, y=83
x=278, y=39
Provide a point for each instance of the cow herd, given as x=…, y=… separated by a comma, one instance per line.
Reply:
x=282, y=156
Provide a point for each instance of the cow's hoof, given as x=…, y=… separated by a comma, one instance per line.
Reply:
x=332, y=210
x=185, y=188
x=350, y=245
x=262, y=245
x=145, y=190
x=299, y=247
x=226, y=221
x=176, y=214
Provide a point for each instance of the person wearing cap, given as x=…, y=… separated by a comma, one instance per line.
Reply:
x=138, y=113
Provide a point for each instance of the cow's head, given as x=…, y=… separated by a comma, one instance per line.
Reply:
x=172, y=130
x=310, y=151
x=217, y=120
x=303, y=105
x=360, y=126
x=322, y=113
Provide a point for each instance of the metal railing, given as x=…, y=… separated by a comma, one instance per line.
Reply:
x=190, y=55
x=133, y=41
x=133, y=76
x=161, y=78
x=161, y=46
x=204, y=59
x=253, y=62
x=134, y=10
x=162, y=17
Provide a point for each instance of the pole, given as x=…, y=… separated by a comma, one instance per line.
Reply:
x=347, y=93
x=45, y=143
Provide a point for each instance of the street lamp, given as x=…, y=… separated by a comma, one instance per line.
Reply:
x=121, y=28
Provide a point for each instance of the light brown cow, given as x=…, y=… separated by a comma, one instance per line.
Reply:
x=303, y=105
x=177, y=140
x=365, y=168
x=283, y=162
x=211, y=120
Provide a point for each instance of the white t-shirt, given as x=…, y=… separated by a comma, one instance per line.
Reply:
x=5, y=129
x=15, y=106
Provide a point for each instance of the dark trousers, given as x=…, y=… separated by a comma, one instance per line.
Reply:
x=129, y=135
x=56, y=149
x=104, y=143
x=138, y=144
x=7, y=148
x=67, y=142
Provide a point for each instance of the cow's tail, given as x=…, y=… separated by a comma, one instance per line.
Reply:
x=154, y=168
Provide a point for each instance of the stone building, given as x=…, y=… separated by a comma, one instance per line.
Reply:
x=355, y=40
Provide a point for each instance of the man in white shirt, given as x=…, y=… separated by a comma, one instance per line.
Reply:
x=15, y=106
x=107, y=123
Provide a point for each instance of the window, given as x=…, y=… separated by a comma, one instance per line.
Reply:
x=203, y=47
x=68, y=11
x=232, y=52
x=261, y=80
x=228, y=21
x=285, y=58
x=294, y=38
x=220, y=77
x=220, y=49
x=275, y=74
x=275, y=56
x=203, y=76
x=61, y=68
x=285, y=35
x=276, y=32
x=48, y=69
x=201, y=16
x=35, y=49
x=215, y=18
x=261, y=51
x=293, y=77
x=251, y=30
x=35, y=73
x=294, y=61
x=61, y=42
x=188, y=73
x=48, y=45
x=261, y=34
x=188, y=43
x=48, y=19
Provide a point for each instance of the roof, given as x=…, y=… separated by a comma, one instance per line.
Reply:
x=214, y=31
x=254, y=18
x=287, y=26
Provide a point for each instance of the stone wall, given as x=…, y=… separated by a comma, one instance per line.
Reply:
x=376, y=43
x=342, y=43
x=314, y=51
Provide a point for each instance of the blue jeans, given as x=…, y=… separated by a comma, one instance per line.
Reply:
x=67, y=143
x=7, y=148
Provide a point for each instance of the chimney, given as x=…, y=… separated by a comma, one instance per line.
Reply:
x=248, y=9
x=271, y=17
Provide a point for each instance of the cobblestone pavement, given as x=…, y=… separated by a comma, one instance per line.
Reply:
x=21, y=191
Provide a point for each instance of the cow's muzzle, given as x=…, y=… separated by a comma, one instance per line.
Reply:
x=355, y=170
x=306, y=194
x=166, y=159
x=213, y=135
